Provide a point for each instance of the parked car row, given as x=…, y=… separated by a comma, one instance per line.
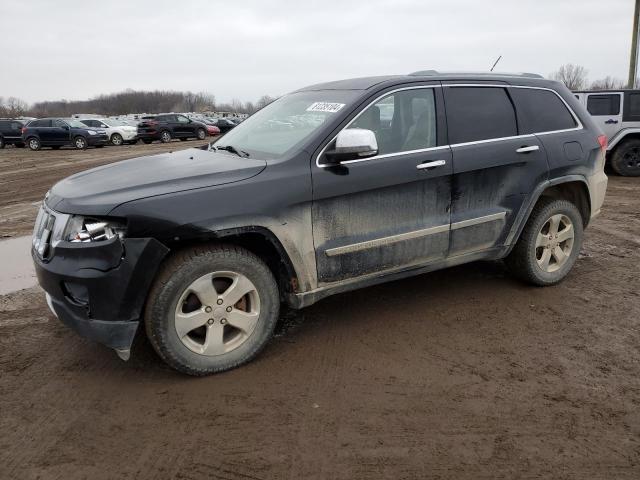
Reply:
x=98, y=132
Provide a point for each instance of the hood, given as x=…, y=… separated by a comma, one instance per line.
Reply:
x=100, y=190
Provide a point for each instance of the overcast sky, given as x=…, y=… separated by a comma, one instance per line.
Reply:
x=246, y=48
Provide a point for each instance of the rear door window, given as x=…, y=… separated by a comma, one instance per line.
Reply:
x=541, y=111
x=631, y=107
x=40, y=123
x=479, y=113
x=603, y=104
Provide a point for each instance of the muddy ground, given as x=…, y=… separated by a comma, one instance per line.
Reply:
x=463, y=373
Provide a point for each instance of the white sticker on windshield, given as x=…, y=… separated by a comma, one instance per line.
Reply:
x=325, y=107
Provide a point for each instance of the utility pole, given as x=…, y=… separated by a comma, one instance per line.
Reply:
x=633, y=61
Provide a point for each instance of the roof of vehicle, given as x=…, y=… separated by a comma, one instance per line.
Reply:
x=364, y=83
x=615, y=90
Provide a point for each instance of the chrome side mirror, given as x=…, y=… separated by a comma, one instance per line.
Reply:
x=352, y=144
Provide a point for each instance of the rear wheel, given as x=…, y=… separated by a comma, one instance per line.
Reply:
x=626, y=158
x=80, y=143
x=34, y=143
x=116, y=139
x=549, y=244
x=165, y=136
x=211, y=309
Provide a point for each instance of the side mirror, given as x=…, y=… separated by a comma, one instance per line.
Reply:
x=352, y=144
x=65, y=127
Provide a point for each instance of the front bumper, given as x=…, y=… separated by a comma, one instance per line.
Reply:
x=128, y=136
x=93, y=140
x=99, y=289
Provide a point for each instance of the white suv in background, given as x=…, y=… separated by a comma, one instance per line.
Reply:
x=617, y=113
x=119, y=132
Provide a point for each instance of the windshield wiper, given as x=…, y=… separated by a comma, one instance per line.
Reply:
x=232, y=149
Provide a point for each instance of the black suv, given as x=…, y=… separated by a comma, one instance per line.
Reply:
x=330, y=188
x=11, y=132
x=224, y=124
x=60, y=132
x=168, y=126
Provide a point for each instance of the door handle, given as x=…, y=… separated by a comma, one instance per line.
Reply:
x=531, y=148
x=610, y=121
x=430, y=165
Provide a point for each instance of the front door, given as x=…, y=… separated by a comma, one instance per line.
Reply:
x=391, y=211
x=60, y=133
x=494, y=168
x=606, y=110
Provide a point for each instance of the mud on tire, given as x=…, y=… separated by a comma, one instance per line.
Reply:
x=170, y=294
x=524, y=261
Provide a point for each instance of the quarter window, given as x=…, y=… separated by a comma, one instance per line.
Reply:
x=479, y=113
x=603, y=104
x=402, y=121
x=182, y=119
x=540, y=111
x=631, y=107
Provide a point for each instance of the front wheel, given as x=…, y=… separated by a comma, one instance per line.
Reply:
x=116, y=139
x=549, y=244
x=201, y=134
x=80, y=143
x=625, y=160
x=211, y=309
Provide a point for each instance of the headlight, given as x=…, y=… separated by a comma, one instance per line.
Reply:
x=86, y=229
x=91, y=132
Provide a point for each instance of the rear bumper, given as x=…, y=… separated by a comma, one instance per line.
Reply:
x=153, y=135
x=98, y=290
x=597, y=190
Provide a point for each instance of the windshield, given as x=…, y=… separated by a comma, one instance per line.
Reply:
x=75, y=123
x=285, y=123
x=112, y=122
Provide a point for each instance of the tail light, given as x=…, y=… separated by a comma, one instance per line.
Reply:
x=152, y=122
x=602, y=140
x=24, y=130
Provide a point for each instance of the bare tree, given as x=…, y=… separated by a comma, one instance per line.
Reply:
x=573, y=76
x=607, y=83
x=263, y=101
x=12, y=107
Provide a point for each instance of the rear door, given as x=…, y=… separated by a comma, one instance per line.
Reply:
x=184, y=127
x=390, y=211
x=60, y=132
x=45, y=131
x=606, y=110
x=494, y=168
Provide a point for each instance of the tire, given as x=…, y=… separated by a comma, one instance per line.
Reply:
x=80, y=143
x=165, y=136
x=538, y=243
x=625, y=160
x=116, y=139
x=148, y=142
x=2, y=145
x=34, y=144
x=190, y=351
x=201, y=134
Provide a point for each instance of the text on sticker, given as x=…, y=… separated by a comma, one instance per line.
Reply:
x=325, y=107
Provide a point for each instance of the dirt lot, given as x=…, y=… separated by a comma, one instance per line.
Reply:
x=463, y=373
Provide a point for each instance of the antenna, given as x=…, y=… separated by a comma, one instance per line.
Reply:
x=496, y=62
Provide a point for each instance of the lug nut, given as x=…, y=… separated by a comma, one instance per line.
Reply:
x=229, y=309
x=223, y=321
x=208, y=309
x=219, y=302
x=210, y=321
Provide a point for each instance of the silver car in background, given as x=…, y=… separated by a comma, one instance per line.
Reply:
x=119, y=131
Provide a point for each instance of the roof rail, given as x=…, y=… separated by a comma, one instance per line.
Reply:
x=427, y=73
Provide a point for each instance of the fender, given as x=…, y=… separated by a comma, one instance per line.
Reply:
x=525, y=210
x=620, y=135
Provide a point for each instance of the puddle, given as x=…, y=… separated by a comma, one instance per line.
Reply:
x=16, y=267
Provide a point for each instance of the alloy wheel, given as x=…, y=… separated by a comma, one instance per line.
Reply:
x=631, y=157
x=166, y=137
x=554, y=243
x=81, y=143
x=217, y=313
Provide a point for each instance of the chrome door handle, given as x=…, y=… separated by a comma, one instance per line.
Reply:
x=532, y=148
x=429, y=165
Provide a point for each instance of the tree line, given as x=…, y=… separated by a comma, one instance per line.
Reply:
x=576, y=77
x=129, y=101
